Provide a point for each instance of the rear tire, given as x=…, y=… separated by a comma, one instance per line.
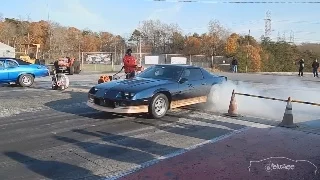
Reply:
x=71, y=70
x=77, y=69
x=158, y=106
x=213, y=97
x=26, y=80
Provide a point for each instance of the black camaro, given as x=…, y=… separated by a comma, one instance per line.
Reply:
x=155, y=90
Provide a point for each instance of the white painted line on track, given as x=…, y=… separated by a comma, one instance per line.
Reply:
x=177, y=153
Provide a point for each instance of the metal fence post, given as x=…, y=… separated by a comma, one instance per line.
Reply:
x=81, y=60
x=166, y=58
x=212, y=62
x=112, y=63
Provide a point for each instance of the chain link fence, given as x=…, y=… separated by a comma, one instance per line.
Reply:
x=97, y=61
x=110, y=62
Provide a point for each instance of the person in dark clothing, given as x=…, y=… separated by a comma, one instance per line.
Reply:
x=315, y=66
x=234, y=64
x=301, y=67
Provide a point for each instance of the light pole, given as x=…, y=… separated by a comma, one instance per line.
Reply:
x=248, y=52
x=115, y=56
x=79, y=47
x=140, y=55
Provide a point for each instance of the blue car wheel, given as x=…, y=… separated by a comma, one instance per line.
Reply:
x=26, y=80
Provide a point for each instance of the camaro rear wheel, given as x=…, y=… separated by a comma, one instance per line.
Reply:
x=159, y=106
x=26, y=80
x=213, y=96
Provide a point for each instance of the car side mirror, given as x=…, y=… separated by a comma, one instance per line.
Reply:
x=183, y=80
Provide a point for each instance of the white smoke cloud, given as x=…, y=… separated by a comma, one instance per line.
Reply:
x=282, y=88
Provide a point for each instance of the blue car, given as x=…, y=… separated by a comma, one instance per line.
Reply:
x=20, y=72
x=155, y=90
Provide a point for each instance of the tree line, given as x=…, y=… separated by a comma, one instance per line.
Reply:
x=157, y=37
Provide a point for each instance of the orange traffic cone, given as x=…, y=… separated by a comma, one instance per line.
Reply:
x=233, y=106
x=103, y=79
x=287, y=120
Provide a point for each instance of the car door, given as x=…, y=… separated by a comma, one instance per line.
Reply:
x=12, y=69
x=3, y=71
x=194, y=83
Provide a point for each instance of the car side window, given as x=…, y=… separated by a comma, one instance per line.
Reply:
x=11, y=64
x=1, y=64
x=192, y=74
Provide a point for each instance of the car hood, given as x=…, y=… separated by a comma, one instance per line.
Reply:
x=133, y=85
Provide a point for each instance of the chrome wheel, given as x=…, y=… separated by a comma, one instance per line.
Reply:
x=26, y=80
x=160, y=106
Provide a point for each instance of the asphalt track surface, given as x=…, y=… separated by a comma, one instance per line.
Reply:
x=46, y=134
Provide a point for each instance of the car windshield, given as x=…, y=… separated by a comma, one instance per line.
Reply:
x=162, y=72
x=21, y=62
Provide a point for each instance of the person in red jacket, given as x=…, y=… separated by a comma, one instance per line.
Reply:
x=130, y=65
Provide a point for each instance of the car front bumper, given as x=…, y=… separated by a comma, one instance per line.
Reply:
x=120, y=110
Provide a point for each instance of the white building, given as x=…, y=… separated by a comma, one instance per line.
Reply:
x=7, y=51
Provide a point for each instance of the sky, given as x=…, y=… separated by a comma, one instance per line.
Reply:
x=123, y=16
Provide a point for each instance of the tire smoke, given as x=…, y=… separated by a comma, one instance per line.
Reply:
x=282, y=88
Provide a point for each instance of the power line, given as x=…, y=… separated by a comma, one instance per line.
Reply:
x=238, y=2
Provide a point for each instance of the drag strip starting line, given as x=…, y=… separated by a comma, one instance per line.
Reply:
x=177, y=153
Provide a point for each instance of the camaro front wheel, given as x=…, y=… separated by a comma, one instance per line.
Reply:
x=158, y=106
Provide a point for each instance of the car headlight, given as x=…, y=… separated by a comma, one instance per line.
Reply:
x=127, y=95
x=93, y=90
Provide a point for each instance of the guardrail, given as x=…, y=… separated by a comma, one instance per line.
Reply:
x=261, y=97
x=277, y=99
x=287, y=120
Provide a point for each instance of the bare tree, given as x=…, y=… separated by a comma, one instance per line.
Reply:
x=158, y=35
x=218, y=37
x=59, y=44
x=8, y=33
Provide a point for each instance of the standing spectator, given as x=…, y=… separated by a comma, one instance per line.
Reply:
x=315, y=66
x=234, y=64
x=301, y=67
x=130, y=65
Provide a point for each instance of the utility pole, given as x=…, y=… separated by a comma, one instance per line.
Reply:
x=284, y=36
x=140, y=55
x=79, y=49
x=49, y=31
x=115, y=56
x=248, y=52
x=291, y=37
x=267, y=28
